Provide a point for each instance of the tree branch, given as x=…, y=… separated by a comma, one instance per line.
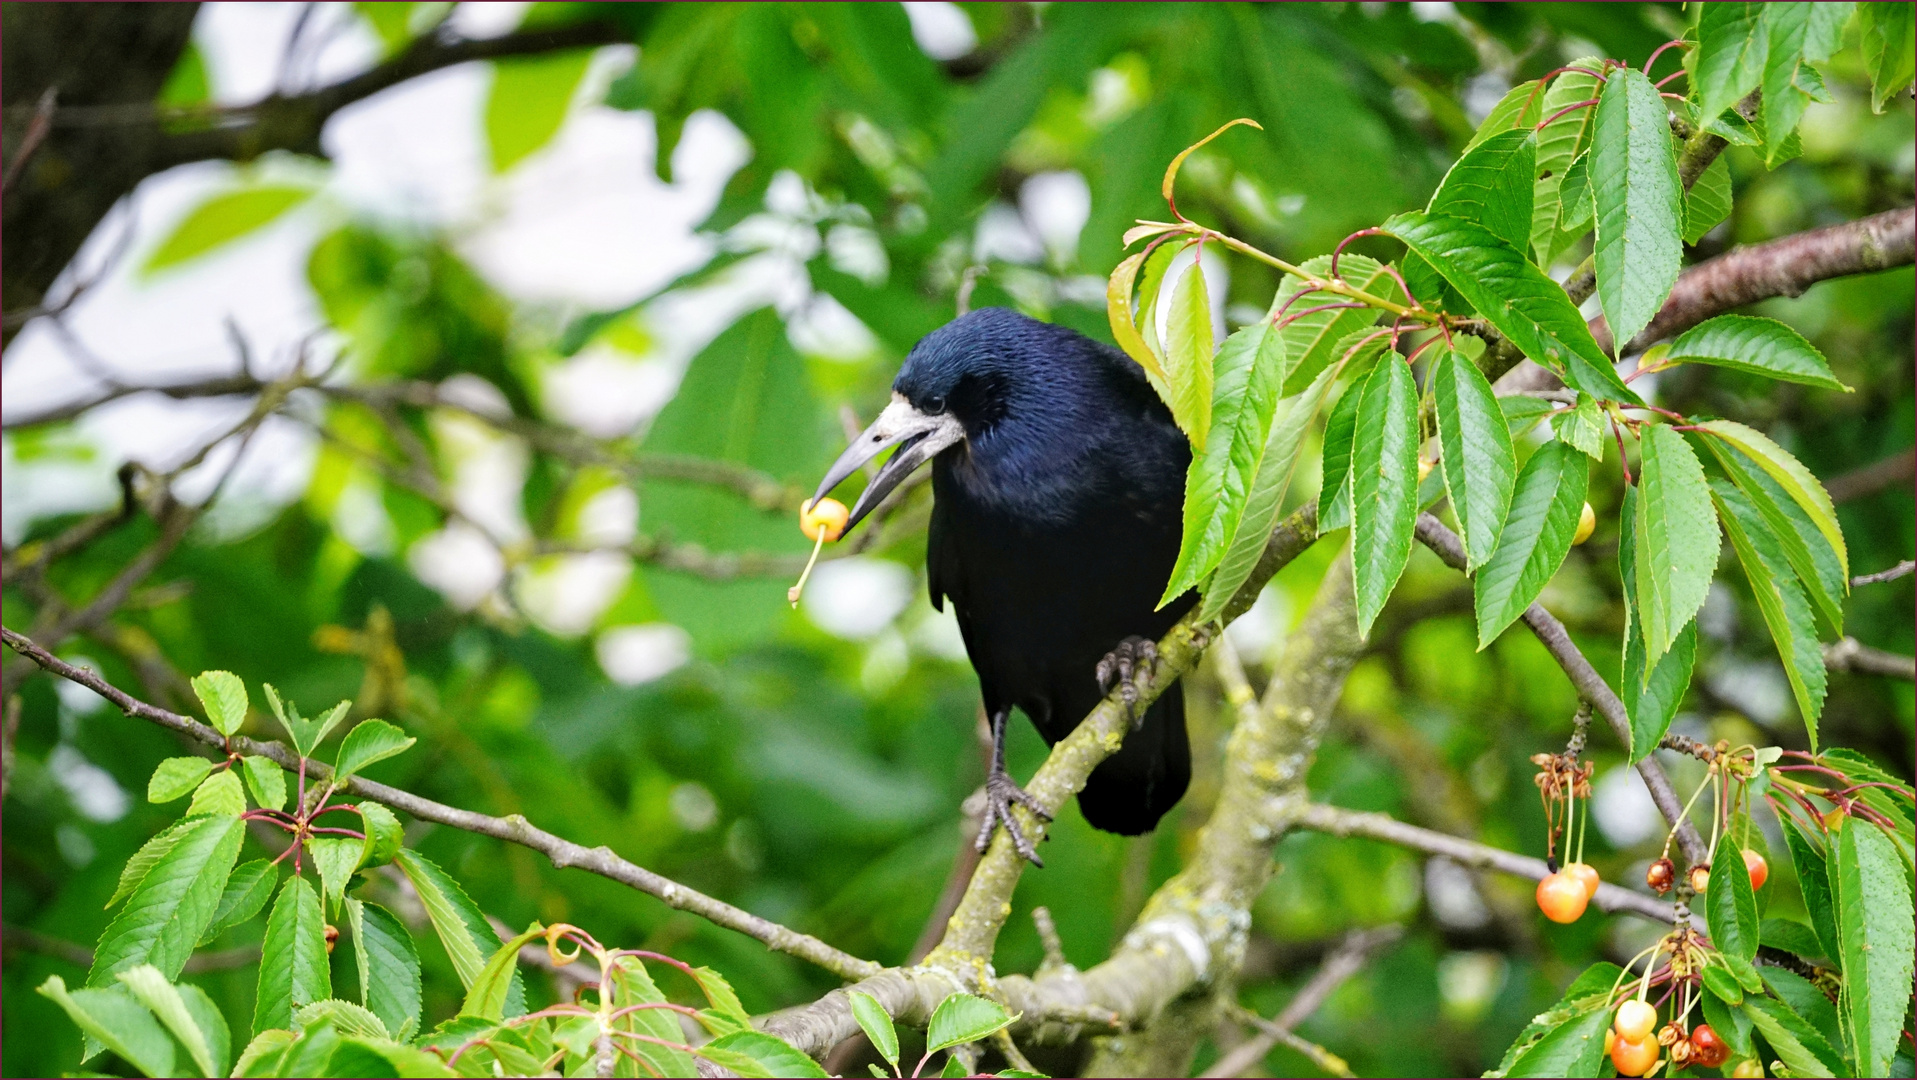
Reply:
x=1901, y=570
x=1347, y=960
x=1849, y=654
x=1870, y=479
x=1590, y=686
x=515, y=828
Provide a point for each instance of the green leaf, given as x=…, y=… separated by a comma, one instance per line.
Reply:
x=954, y=1067
x=1804, y=998
x=389, y=984
x=110, y=1015
x=1249, y=370
x=1791, y=475
x=266, y=780
x=1813, y=880
x=1545, y=506
x=1826, y=32
x=1640, y=203
x=335, y=857
x=1576, y=207
x=247, y=890
x=1872, y=893
x=754, y=1053
x=201, y=1031
x=175, y=777
x=1384, y=486
x=1676, y=539
x=368, y=742
x=306, y=734
x=1651, y=703
x=1732, y=46
x=1521, y=414
x=877, y=1025
x=222, y=794
x=221, y=219
x=1118, y=305
x=262, y=1056
x=293, y=962
x=1722, y=985
x=1758, y=345
x=1730, y=905
x=1798, y=1044
x=1889, y=41
x=1479, y=463
x=358, y=1056
x=964, y=1018
x=344, y=1016
x=1334, y=493
x=1316, y=341
x=1519, y=109
x=450, y=910
x=1492, y=185
x=1188, y=349
x=1729, y=1022
x=1805, y=547
x=1708, y=202
x=1560, y=142
x=723, y=999
x=487, y=995
x=633, y=985
x=1573, y=1048
x=1779, y=598
x=383, y=834
x=1516, y=297
x=1265, y=500
x=1791, y=935
x=1581, y=427
x=173, y=902
x=1785, y=25
x=150, y=852
x=530, y=98
x=223, y=696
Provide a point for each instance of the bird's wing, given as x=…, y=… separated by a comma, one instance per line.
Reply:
x=942, y=573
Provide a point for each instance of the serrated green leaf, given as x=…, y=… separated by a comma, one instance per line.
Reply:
x=346, y=1018
x=248, y=888
x=1576, y=207
x=877, y=1025
x=175, y=777
x=1639, y=201
x=222, y=794
x=1785, y=96
x=150, y=852
x=223, y=696
x=368, y=742
x=222, y=219
x=449, y=909
x=1790, y=935
x=1492, y=185
x=335, y=857
x=384, y=834
x=633, y=985
x=1567, y=135
x=1521, y=413
x=963, y=1018
x=1249, y=369
x=1890, y=42
x=1732, y=46
x=306, y=734
x=1871, y=890
x=1118, y=302
x=166, y=913
x=1676, y=539
x=720, y=995
x=111, y=1016
x=293, y=962
x=1708, y=202
x=487, y=995
x=1758, y=345
x=1318, y=340
x=1730, y=904
x=1581, y=427
x=1572, y=1048
x=1798, y=1044
x=1804, y=545
x=389, y=983
x=1805, y=489
x=1384, y=486
x=1480, y=465
x=1650, y=702
x=1334, y=492
x=266, y=780
x=359, y=1056
x=262, y=1056
x=954, y=1067
x=1804, y=998
x=1519, y=109
x=1188, y=352
x=1722, y=985
x=1516, y=297
x=1779, y=598
x=1545, y=504
x=208, y=1047
x=1729, y=1022
x=1813, y=881
x=754, y=1053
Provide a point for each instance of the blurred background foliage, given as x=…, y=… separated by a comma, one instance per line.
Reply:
x=809, y=765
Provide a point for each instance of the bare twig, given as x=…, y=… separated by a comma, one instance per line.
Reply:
x=36, y=134
x=1895, y=470
x=1902, y=569
x=514, y=828
x=1346, y=960
x=1849, y=654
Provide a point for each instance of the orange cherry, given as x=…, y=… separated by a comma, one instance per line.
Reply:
x=826, y=516
x=1585, y=874
x=1562, y=898
x=1634, y=1057
x=1755, y=865
x=1634, y=1020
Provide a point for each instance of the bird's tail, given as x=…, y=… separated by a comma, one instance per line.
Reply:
x=1133, y=788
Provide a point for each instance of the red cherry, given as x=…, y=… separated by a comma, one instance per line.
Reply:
x=1634, y=1057
x=1562, y=898
x=1759, y=870
x=1707, y=1049
x=1584, y=874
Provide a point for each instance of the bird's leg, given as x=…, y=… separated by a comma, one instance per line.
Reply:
x=1130, y=661
x=1001, y=793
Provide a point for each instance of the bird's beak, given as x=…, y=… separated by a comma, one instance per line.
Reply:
x=918, y=436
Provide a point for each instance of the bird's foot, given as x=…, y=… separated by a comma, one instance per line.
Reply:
x=1000, y=793
x=1124, y=667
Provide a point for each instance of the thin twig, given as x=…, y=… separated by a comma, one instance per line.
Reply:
x=1849, y=654
x=1902, y=569
x=1346, y=960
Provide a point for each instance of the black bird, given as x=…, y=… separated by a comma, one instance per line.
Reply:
x=1058, y=479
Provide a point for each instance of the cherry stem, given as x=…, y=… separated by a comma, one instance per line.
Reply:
x=1313, y=311
x=1811, y=768
x=339, y=806
x=1672, y=44
x=339, y=832
x=1542, y=124
x=1622, y=463
x=1868, y=784
x=617, y=1013
x=266, y=816
x=1340, y=250
x=1673, y=75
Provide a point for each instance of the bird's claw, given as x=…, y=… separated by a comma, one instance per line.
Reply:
x=1000, y=793
x=1128, y=663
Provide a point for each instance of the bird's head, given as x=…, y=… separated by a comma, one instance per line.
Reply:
x=957, y=385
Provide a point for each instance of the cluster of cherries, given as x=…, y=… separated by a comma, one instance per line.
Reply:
x=1635, y=1050
x=1663, y=873
x=1565, y=893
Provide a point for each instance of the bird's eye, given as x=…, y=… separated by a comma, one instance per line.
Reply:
x=935, y=405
